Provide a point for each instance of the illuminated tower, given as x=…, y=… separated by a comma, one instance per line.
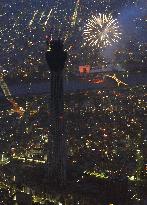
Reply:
x=56, y=58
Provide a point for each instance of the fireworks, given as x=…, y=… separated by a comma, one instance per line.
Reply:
x=26, y=24
x=74, y=17
x=102, y=31
x=48, y=17
x=31, y=22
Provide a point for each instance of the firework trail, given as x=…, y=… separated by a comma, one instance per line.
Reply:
x=33, y=18
x=73, y=21
x=48, y=17
x=75, y=14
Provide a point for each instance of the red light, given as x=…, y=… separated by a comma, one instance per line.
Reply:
x=97, y=81
x=84, y=69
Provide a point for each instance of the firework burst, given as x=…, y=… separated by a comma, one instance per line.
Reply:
x=102, y=31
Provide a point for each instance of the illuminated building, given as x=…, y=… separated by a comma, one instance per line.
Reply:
x=105, y=129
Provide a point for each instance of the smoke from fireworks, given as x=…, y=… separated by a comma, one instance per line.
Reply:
x=102, y=31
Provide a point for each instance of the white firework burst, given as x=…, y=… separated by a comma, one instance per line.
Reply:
x=102, y=30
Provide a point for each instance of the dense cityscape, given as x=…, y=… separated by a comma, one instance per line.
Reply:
x=86, y=142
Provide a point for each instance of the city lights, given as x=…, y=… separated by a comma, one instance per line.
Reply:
x=73, y=92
